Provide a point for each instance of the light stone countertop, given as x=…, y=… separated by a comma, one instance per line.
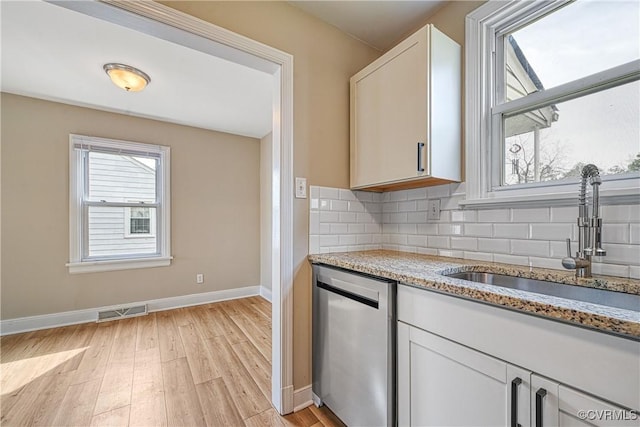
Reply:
x=426, y=271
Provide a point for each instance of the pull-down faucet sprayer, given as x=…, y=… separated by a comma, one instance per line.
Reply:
x=589, y=227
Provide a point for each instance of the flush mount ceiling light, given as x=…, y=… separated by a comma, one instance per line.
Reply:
x=128, y=78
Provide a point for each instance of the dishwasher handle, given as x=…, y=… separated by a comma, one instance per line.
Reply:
x=350, y=295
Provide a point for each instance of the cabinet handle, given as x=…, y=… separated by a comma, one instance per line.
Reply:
x=420, y=167
x=514, y=401
x=540, y=394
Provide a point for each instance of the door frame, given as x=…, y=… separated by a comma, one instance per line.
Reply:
x=223, y=43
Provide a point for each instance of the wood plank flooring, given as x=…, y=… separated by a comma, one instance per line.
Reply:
x=208, y=365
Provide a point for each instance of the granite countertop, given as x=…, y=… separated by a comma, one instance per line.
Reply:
x=426, y=271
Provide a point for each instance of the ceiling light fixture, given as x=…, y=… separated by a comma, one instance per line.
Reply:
x=128, y=78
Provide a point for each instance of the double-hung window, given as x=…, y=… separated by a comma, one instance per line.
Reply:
x=552, y=86
x=119, y=205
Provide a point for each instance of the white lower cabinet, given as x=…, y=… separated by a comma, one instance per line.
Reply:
x=443, y=383
x=462, y=363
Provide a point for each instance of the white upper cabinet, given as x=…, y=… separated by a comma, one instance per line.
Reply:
x=406, y=115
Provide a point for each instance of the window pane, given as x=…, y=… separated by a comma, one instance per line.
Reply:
x=107, y=235
x=580, y=39
x=602, y=128
x=118, y=178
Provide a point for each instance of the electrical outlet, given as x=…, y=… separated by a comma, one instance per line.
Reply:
x=433, y=209
x=199, y=278
x=301, y=188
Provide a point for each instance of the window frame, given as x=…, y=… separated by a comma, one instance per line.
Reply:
x=79, y=261
x=483, y=113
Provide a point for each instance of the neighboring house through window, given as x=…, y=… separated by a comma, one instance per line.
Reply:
x=552, y=86
x=119, y=204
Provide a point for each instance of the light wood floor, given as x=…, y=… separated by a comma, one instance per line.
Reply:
x=205, y=365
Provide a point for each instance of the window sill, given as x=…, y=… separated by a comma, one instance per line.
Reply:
x=558, y=199
x=118, y=264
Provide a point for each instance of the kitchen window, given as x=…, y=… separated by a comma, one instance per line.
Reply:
x=552, y=86
x=119, y=205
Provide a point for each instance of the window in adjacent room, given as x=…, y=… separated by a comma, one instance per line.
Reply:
x=119, y=204
x=553, y=86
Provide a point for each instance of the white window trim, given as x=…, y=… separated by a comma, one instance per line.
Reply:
x=76, y=263
x=480, y=30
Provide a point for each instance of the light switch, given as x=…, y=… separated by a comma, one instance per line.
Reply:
x=433, y=209
x=301, y=188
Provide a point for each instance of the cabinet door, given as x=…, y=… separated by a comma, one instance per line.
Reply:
x=562, y=406
x=442, y=383
x=544, y=402
x=519, y=392
x=389, y=114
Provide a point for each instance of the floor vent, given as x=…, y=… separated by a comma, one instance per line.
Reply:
x=121, y=313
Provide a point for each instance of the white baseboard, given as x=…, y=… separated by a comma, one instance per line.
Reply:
x=316, y=400
x=54, y=320
x=302, y=398
x=265, y=293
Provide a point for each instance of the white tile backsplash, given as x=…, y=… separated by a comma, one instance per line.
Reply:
x=427, y=229
x=478, y=256
x=530, y=215
x=634, y=235
x=564, y=214
x=436, y=192
x=339, y=228
x=416, y=217
x=551, y=231
x=417, y=193
x=615, y=233
x=494, y=215
x=501, y=246
x=537, y=248
x=511, y=259
x=513, y=231
x=478, y=230
x=409, y=206
x=417, y=240
x=348, y=217
x=344, y=220
x=329, y=193
x=407, y=228
x=440, y=242
x=356, y=228
x=466, y=243
x=625, y=213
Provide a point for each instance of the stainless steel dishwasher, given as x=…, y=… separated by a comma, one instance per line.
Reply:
x=354, y=343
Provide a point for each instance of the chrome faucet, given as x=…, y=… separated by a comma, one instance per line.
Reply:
x=589, y=227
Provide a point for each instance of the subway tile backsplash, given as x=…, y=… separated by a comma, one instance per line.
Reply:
x=344, y=220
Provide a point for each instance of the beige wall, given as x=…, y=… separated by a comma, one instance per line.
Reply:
x=324, y=59
x=266, y=157
x=215, y=210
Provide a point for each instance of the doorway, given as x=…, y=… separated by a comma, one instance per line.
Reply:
x=168, y=24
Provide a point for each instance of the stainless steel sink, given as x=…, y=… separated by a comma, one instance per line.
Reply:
x=573, y=292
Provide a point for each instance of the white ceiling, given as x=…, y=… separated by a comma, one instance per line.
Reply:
x=380, y=24
x=54, y=53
